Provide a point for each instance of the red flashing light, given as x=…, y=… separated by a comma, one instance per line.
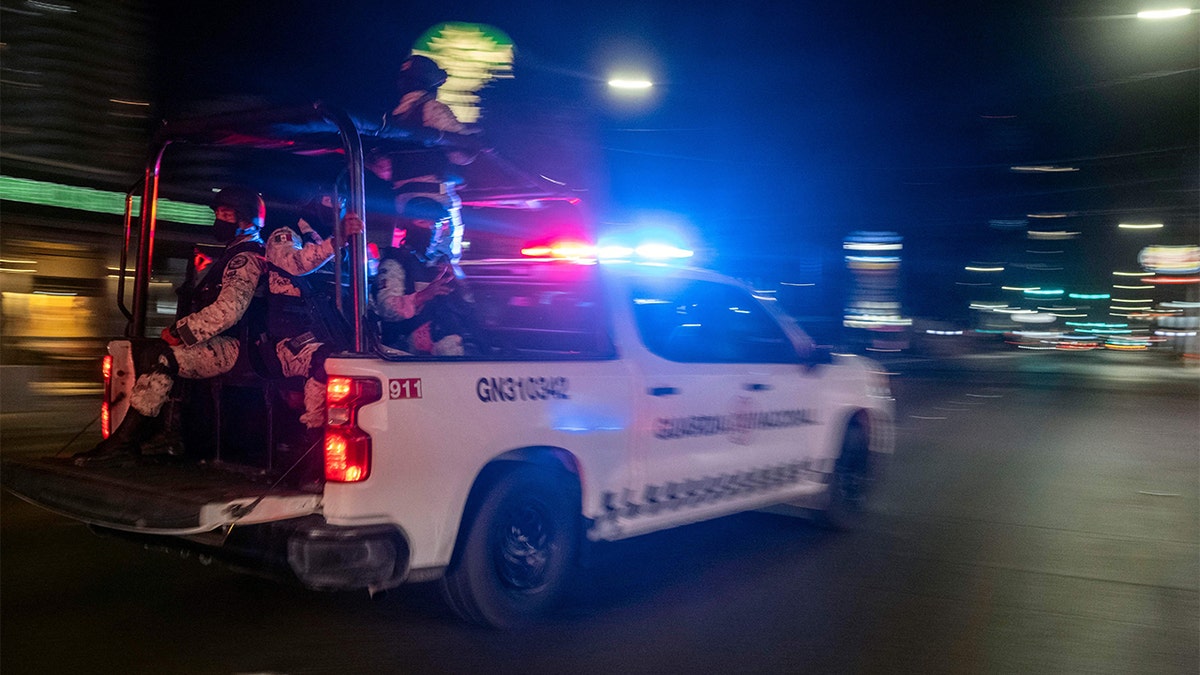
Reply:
x=561, y=250
x=347, y=447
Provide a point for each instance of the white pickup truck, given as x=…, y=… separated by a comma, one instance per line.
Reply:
x=613, y=399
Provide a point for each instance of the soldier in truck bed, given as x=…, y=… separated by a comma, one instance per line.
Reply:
x=204, y=343
x=297, y=338
x=209, y=340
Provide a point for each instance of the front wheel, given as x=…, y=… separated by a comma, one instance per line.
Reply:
x=518, y=549
x=850, y=483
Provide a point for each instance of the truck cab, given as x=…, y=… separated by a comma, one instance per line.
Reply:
x=610, y=398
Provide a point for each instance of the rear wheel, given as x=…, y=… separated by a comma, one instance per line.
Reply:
x=851, y=481
x=517, y=551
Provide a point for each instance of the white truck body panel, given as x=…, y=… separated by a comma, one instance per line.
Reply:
x=727, y=437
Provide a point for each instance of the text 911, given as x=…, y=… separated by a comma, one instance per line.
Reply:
x=409, y=387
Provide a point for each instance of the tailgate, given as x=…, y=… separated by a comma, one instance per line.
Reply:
x=154, y=499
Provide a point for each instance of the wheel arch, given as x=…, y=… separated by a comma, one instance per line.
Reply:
x=550, y=457
x=876, y=424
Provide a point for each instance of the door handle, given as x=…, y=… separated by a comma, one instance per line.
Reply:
x=662, y=391
x=755, y=386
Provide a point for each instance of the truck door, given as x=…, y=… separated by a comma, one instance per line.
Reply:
x=724, y=410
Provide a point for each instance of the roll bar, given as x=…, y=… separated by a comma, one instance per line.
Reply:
x=314, y=129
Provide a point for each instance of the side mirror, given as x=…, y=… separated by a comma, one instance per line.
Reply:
x=816, y=355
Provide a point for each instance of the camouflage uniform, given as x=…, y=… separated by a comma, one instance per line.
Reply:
x=288, y=258
x=208, y=349
x=407, y=326
x=422, y=108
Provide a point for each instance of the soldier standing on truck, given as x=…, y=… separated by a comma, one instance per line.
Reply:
x=424, y=173
x=206, y=342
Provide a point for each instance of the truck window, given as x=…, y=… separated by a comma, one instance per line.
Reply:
x=708, y=322
x=541, y=316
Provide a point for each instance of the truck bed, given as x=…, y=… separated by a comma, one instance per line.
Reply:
x=154, y=497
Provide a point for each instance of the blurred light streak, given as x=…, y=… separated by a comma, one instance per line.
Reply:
x=872, y=246
x=1043, y=168
x=124, y=102
x=1132, y=288
x=1181, y=304
x=473, y=55
x=983, y=269
x=1033, y=317
x=98, y=201
x=1046, y=215
x=1023, y=289
x=622, y=83
x=1170, y=259
x=1175, y=280
x=1135, y=226
x=1007, y=224
x=66, y=9
x=1089, y=296
x=1057, y=234
x=1045, y=291
x=1164, y=13
x=1133, y=274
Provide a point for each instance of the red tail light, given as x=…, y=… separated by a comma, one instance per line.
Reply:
x=105, y=413
x=348, y=448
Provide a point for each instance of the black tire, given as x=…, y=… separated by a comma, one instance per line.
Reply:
x=851, y=482
x=518, y=550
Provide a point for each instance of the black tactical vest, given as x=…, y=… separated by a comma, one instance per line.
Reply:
x=208, y=287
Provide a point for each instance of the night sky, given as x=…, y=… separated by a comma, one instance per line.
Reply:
x=776, y=129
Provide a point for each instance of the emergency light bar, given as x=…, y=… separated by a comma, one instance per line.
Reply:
x=579, y=251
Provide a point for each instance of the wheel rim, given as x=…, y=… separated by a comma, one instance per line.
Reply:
x=524, y=547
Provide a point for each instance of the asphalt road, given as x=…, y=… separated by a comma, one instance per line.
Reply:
x=1041, y=515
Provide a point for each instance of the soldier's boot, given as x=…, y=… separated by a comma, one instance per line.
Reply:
x=167, y=442
x=123, y=445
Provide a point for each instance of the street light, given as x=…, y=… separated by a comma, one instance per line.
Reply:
x=625, y=83
x=1164, y=13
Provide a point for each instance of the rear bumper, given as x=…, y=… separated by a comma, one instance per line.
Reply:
x=331, y=558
